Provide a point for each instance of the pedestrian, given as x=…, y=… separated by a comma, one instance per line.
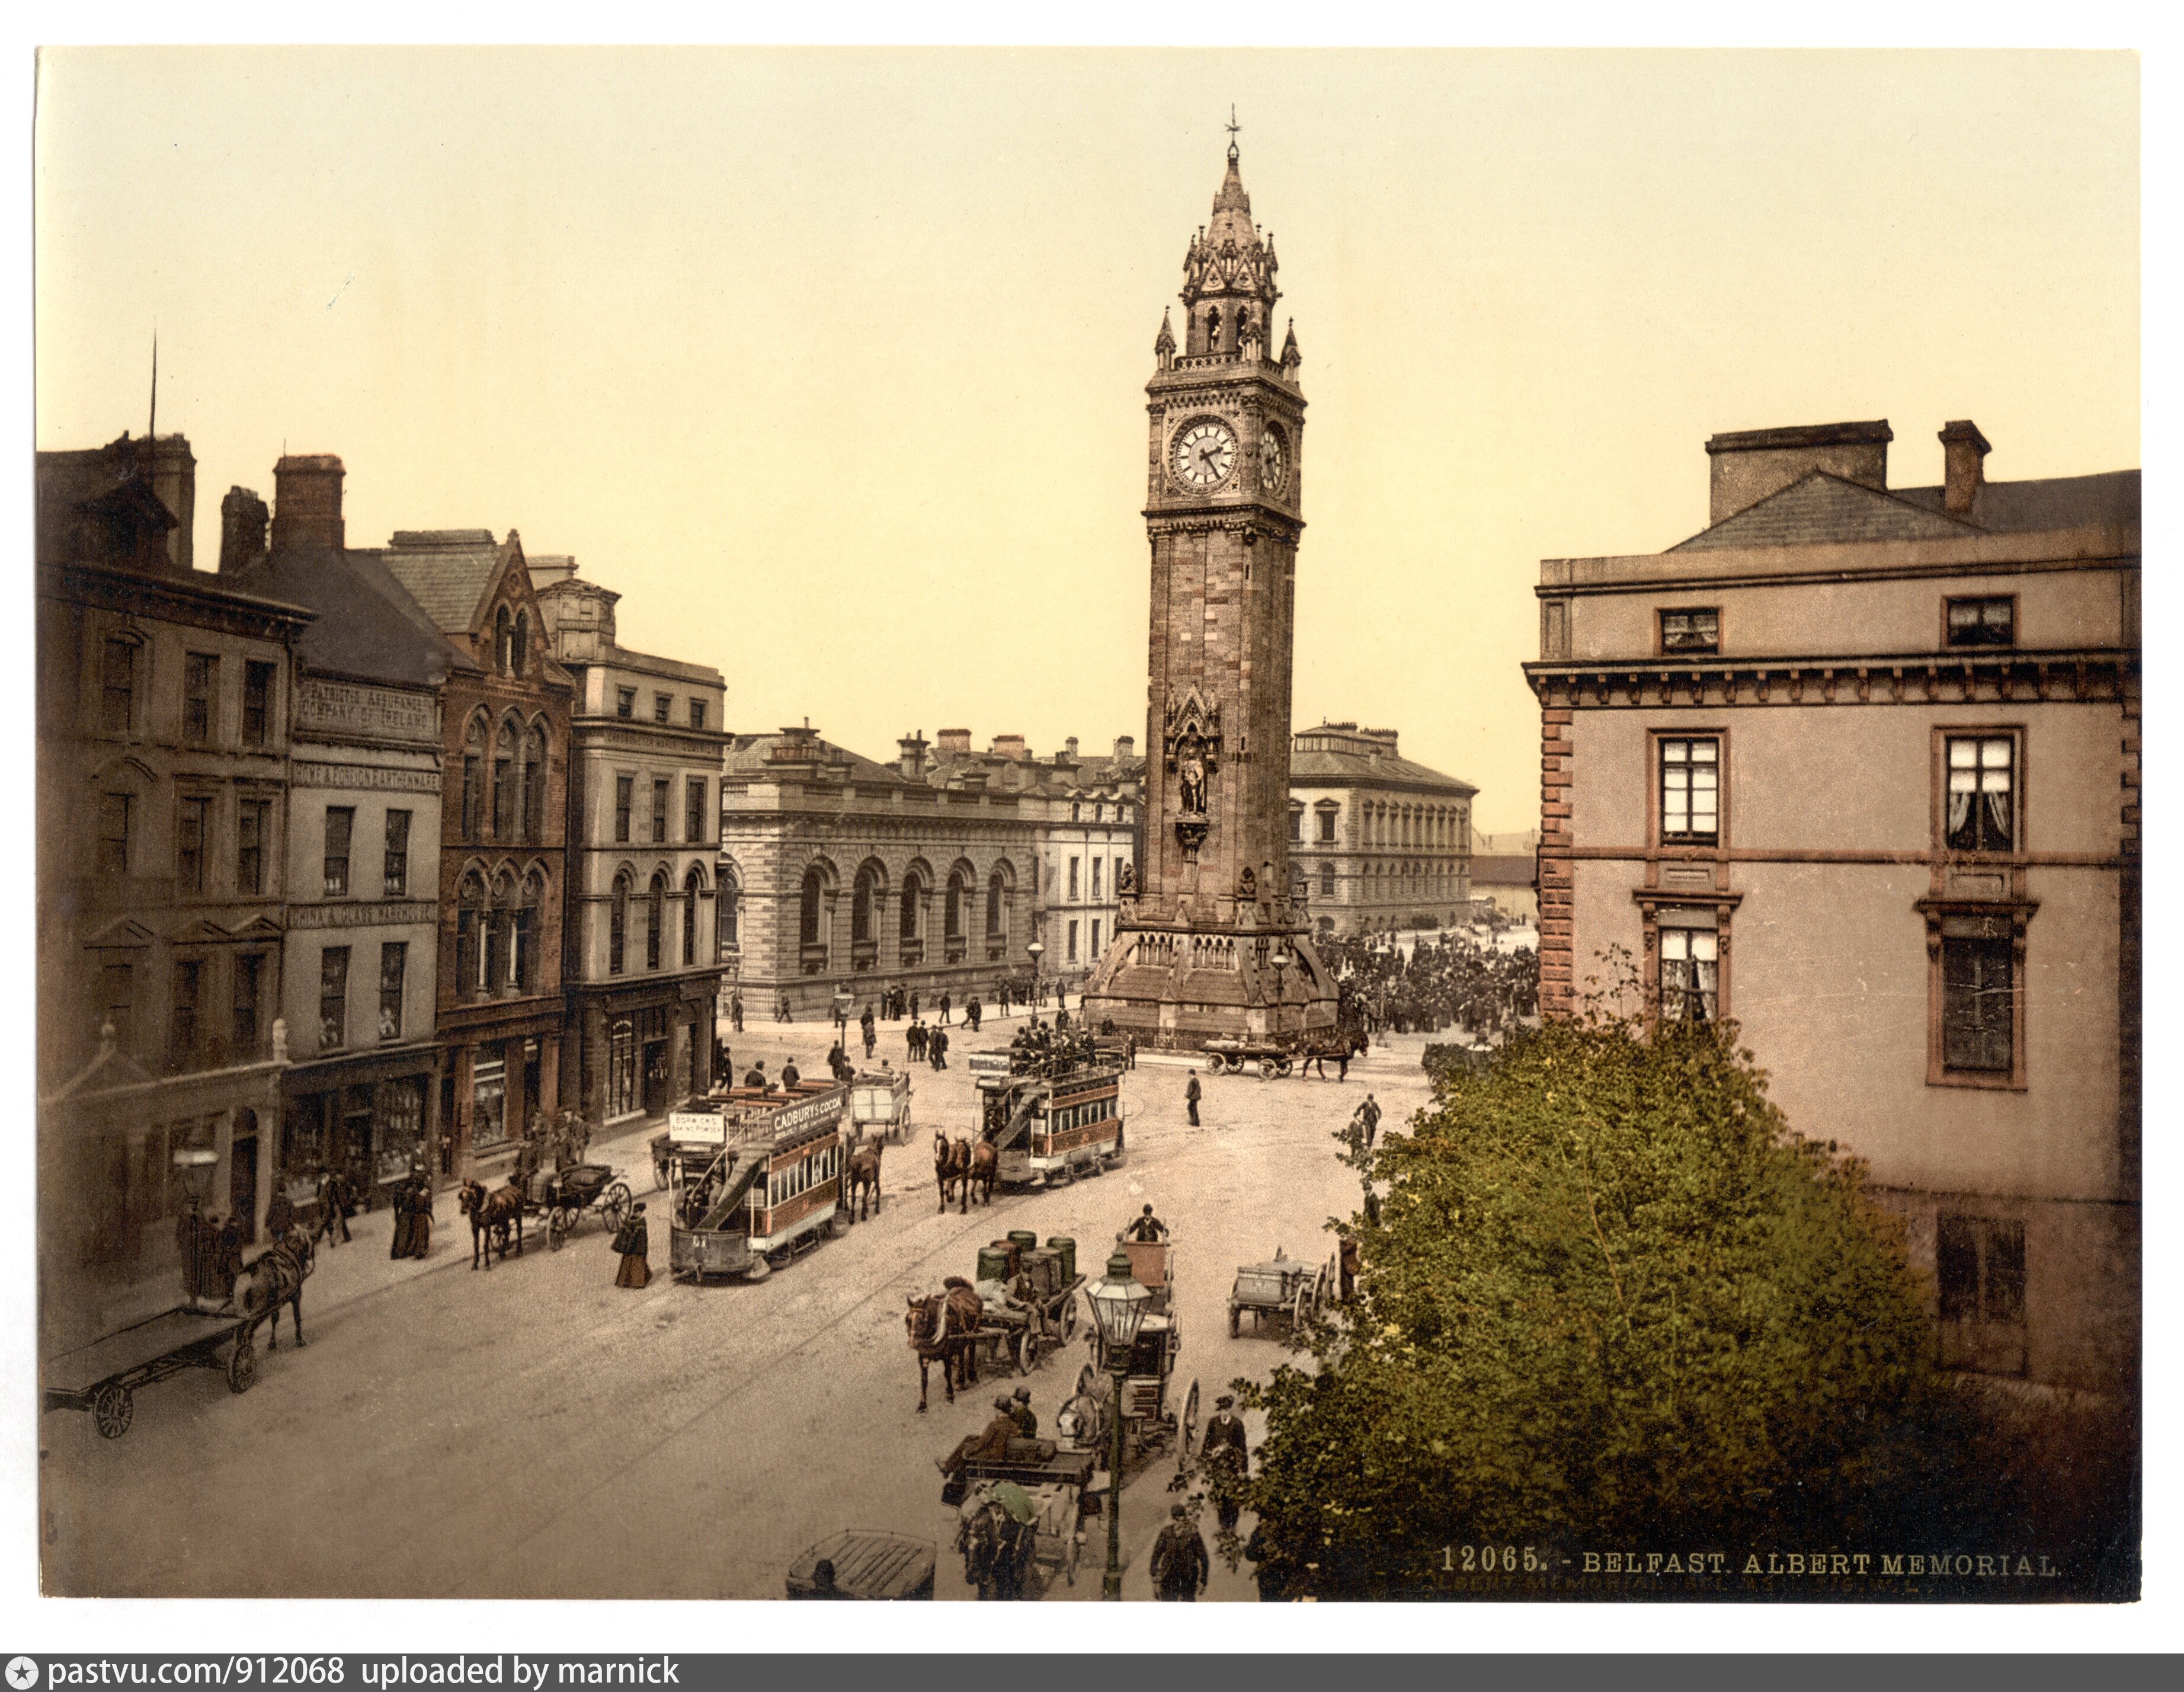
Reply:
x=913, y=1039
x=1368, y=1114
x=736, y=1012
x=945, y=1008
x=421, y=1211
x=227, y=1257
x=938, y=1042
x=972, y=1013
x=329, y=1203
x=781, y=1010
x=1191, y=1094
x=401, y=1246
x=1129, y=1051
x=1180, y=1563
x=1272, y=1574
x=790, y=1075
x=1228, y=1461
x=1026, y=1417
x=913, y=1004
x=280, y=1212
x=634, y=1244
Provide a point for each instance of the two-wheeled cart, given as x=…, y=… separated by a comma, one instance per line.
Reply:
x=101, y=1377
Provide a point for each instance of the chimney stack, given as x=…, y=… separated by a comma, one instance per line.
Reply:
x=1126, y=745
x=1963, y=454
x=1748, y=465
x=1070, y=745
x=172, y=470
x=243, y=518
x=1009, y=747
x=912, y=747
x=955, y=739
x=307, y=501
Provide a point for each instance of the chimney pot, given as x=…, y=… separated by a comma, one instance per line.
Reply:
x=1964, y=454
x=1126, y=745
x=243, y=519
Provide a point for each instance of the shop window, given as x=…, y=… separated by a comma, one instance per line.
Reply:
x=1990, y=621
x=1691, y=791
x=1690, y=630
x=251, y=825
x=341, y=822
x=118, y=686
x=622, y=1068
x=393, y=966
x=659, y=810
x=489, y=1100
x=200, y=688
x=333, y=997
x=191, y=817
x=397, y=868
x=1979, y=1269
x=1982, y=793
x=257, y=703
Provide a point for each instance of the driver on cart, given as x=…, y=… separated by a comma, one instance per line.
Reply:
x=990, y=1446
x=1147, y=1227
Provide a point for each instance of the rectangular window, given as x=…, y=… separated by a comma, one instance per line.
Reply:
x=1296, y=828
x=257, y=703
x=1094, y=953
x=1690, y=975
x=1979, y=1001
x=113, y=818
x=333, y=997
x=117, y=1002
x=250, y=832
x=1327, y=882
x=190, y=816
x=397, y=871
x=1982, y=793
x=1690, y=630
x=249, y=972
x=1983, y=621
x=1691, y=795
x=473, y=795
x=393, y=965
x=663, y=705
x=625, y=701
x=1072, y=939
x=693, y=810
x=200, y=685
x=1073, y=885
x=1096, y=863
x=182, y=1027
x=697, y=713
x=1327, y=827
x=625, y=793
x=341, y=820
x=659, y=810
x=118, y=687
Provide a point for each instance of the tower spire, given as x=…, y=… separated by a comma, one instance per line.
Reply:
x=151, y=427
x=1234, y=129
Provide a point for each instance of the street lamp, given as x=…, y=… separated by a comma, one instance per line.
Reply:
x=1118, y=1307
x=1035, y=951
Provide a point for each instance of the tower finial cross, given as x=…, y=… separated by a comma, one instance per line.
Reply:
x=1233, y=128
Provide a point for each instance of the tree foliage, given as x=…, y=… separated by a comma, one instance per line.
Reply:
x=1609, y=1297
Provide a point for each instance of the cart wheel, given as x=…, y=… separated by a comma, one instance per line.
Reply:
x=1283, y=1068
x=1234, y=1315
x=243, y=1365
x=1069, y=1320
x=112, y=1410
x=616, y=1205
x=1300, y=1312
x=659, y=1176
x=557, y=1228
x=1267, y=1068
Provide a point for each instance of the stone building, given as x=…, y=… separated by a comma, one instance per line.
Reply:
x=162, y=744
x=1505, y=874
x=1378, y=842
x=363, y=916
x=1858, y=766
x=641, y=955
x=1211, y=942
x=504, y=749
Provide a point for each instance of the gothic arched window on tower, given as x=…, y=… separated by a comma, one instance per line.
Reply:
x=1212, y=328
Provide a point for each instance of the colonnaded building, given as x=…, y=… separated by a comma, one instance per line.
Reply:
x=1376, y=842
x=1859, y=766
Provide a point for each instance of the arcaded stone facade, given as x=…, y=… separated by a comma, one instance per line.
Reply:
x=1857, y=766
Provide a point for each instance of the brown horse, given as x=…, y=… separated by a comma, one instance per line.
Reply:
x=277, y=1278
x=491, y=1215
x=945, y=1326
x=951, y=1166
x=985, y=1168
x=864, y=1177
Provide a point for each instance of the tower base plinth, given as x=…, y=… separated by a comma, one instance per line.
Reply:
x=1175, y=988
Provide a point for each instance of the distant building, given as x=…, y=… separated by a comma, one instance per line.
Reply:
x=1505, y=874
x=162, y=739
x=1380, y=843
x=642, y=964
x=1858, y=766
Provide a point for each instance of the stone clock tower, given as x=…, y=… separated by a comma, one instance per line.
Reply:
x=1212, y=940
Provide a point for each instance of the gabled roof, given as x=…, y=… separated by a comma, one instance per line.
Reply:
x=446, y=571
x=1819, y=508
x=749, y=757
x=367, y=626
x=1318, y=768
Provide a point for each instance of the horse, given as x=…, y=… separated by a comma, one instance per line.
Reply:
x=985, y=1167
x=997, y=1548
x=492, y=1214
x=864, y=1177
x=945, y=1326
x=277, y=1278
x=951, y=1164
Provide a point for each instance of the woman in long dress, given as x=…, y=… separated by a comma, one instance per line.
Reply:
x=634, y=1243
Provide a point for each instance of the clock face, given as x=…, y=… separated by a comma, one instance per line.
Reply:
x=1205, y=453
x=1274, y=460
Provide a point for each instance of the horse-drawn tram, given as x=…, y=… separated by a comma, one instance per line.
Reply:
x=1051, y=1113
x=769, y=1191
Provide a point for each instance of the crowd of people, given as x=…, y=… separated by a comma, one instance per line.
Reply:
x=1445, y=982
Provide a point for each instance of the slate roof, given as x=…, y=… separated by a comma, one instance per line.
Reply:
x=749, y=759
x=446, y=571
x=1820, y=509
x=1347, y=769
x=367, y=626
x=1503, y=870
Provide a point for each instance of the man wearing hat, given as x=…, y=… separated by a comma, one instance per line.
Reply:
x=1148, y=1227
x=1228, y=1461
x=1026, y=1417
x=990, y=1446
x=1179, y=1564
x=634, y=1243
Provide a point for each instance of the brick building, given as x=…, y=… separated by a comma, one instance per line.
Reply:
x=1858, y=766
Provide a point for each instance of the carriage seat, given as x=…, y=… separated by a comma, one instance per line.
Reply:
x=1031, y=1451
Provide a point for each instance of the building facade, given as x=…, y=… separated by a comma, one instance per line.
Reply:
x=1505, y=874
x=1858, y=766
x=1210, y=942
x=641, y=951
x=1378, y=842
x=163, y=742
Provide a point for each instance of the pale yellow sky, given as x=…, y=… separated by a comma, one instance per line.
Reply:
x=832, y=362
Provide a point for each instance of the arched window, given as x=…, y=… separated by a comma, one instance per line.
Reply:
x=910, y=932
x=503, y=640
x=727, y=915
x=1212, y=328
x=864, y=898
x=518, y=645
x=470, y=923
x=959, y=893
x=618, y=924
x=693, y=889
x=808, y=927
x=529, y=915
x=503, y=784
x=655, y=913
x=996, y=907
x=534, y=783
x=501, y=936
x=474, y=779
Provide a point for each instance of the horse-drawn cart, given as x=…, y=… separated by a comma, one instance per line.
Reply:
x=1229, y=1056
x=879, y=1105
x=1151, y=1421
x=566, y=1197
x=1281, y=1286
x=1031, y=1506
x=103, y=1377
x=1030, y=1295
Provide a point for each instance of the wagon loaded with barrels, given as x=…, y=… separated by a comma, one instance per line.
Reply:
x=771, y=1190
x=1029, y=1293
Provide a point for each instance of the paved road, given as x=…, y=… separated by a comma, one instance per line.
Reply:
x=535, y=1432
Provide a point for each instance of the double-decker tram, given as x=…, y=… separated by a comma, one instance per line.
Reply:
x=1052, y=1108
x=772, y=1189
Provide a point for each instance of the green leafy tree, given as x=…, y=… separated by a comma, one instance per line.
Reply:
x=1608, y=1298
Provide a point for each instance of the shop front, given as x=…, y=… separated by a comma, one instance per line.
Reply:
x=637, y=1052
x=372, y=1119
x=497, y=1080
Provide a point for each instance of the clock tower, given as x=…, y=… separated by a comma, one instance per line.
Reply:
x=1213, y=939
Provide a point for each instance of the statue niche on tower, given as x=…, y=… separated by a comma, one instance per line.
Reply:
x=1194, y=757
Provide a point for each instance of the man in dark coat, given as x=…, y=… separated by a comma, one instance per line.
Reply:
x=990, y=1445
x=1192, y=1093
x=866, y=1027
x=1368, y=1115
x=736, y=1013
x=1180, y=1565
x=790, y=1075
x=936, y=1042
x=756, y=1075
x=947, y=1003
x=401, y=1245
x=333, y=1198
x=280, y=1212
x=227, y=1257
x=1027, y=1419
x=1228, y=1460
x=1147, y=1226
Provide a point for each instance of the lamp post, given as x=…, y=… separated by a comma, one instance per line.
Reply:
x=1118, y=1307
x=1281, y=962
x=1035, y=951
